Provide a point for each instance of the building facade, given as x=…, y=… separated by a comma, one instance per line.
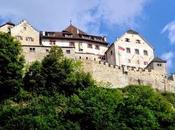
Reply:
x=84, y=44
x=131, y=49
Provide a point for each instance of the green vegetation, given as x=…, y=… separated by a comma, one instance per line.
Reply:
x=11, y=65
x=56, y=94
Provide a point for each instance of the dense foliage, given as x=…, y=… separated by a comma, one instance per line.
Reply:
x=11, y=65
x=57, y=95
x=56, y=74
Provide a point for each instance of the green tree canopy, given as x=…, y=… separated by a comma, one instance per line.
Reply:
x=11, y=65
x=57, y=74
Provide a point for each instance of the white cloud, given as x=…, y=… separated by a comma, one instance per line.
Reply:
x=87, y=14
x=170, y=29
x=168, y=56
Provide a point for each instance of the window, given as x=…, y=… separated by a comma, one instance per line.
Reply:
x=129, y=60
x=127, y=40
x=137, y=51
x=128, y=50
x=32, y=49
x=103, y=58
x=145, y=52
x=145, y=63
x=111, y=53
x=19, y=37
x=52, y=42
x=80, y=46
x=47, y=50
x=159, y=65
x=138, y=41
x=68, y=35
x=138, y=62
x=68, y=51
x=25, y=28
x=89, y=45
x=29, y=39
x=97, y=47
x=72, y=44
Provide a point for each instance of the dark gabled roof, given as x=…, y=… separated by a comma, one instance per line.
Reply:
x=157, y=59
x=132, y=32
x=73, y=33
x=74, y=30
x=7, y=23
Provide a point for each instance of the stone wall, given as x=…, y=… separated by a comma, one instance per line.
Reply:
x=121, y=76
x=39, y=52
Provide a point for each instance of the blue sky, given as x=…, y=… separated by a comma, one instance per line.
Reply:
x=153, y=19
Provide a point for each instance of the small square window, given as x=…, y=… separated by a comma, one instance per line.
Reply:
x=138, y=41
x=52, y=42
x=89, y=45
x=129, y=60
x=68, y=51
x=25, y=28
x=19, y=37
x=47, y=50
x=97, y=47
x=72, y=44
x=127, y=40
x=145, y=63
x=159, y=65
x=137, y=51
x=128, y=50
x=29, y=39
x=145, y=52
x=32, y=49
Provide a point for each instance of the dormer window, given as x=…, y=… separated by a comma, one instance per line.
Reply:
x=138, y=41
x=127, y=40
x=50, y=34
x=68, y=35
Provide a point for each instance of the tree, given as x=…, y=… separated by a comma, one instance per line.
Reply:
x=144, y=108
x=11, y=65
x=56, y=74
x=95, y=108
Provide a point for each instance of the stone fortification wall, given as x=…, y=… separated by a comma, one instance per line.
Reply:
x=121, y=76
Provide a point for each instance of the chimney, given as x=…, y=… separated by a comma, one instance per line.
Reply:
x=44, y=33
x=78, y=31
x=105, y=38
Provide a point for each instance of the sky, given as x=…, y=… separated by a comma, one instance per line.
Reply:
x=153, y=19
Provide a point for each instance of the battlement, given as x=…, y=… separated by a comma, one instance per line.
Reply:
x=122, y=68
x=121, y=76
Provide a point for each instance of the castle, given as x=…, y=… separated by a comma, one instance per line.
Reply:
x=129, y=60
